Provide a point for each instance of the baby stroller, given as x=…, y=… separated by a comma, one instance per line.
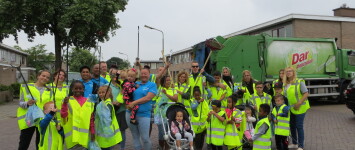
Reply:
x=170, y=116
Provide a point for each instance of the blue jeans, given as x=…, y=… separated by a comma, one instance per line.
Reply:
x=123, y=142
x=140, y=132
x=297, y=132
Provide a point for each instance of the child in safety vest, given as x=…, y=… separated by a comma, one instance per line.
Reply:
x=233, y=120
x=278, y=90
x=216, y=126
x=218, y=90
x=77, y=118
x=199, y=122
x=50, y=132
x=179, y=128
x=129, y=87
x=281, y=118
x=107, y=130
x=262, y=136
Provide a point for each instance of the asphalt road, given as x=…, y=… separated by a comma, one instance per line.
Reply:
x=328, y=126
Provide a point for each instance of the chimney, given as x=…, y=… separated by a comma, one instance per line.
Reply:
x=344, y=12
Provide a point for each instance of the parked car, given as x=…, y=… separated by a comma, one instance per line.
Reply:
x=350, y=96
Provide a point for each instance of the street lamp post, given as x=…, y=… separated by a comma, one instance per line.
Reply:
x=159, y=31
x=124, y=54
x=67, y=30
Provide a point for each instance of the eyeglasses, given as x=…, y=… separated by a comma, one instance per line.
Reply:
x=194, y=66
x=259, y=87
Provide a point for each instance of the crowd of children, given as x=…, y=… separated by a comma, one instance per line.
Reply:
x=222, y=113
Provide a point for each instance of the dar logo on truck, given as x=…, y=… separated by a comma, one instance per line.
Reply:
x=301, y=59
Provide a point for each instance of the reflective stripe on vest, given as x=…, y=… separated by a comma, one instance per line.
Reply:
x=199, y=123
x=51, y=140
x=264, y=141
x=232, y=136
x=294, y=95
x=76, y=129
x=110, y=140
x=41, y=99
x=282, y=127
x=215, y=131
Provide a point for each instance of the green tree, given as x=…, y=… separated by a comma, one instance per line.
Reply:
x=121, y=64
x=79, y=57
x=91, y=21
x=38, y=57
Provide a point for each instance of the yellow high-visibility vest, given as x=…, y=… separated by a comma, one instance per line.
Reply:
x=264, y=141
x=183, y=88
x=231, y=138
x=217, y=93
x=106, y=141
x=215, y=130
x=41, y=99
x=52, y=140
x=107, y=77
x=282, y=127
x=60, y=94
x=197, y=82
x=77, y=124
x=256, y=100
x=294, y=95
x=199, y=123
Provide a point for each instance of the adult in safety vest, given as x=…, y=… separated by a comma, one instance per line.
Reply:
x=216, y=126
x=259, y=97
x=182, y=86
x=103, y=71
x=228, y=80
x=296, y=92
x=50, y=131
x=262, y=137
x=32, y=94
x=199, y=78
x=167, y=94
x=233, y=123
x=60, y=90
x=76, y=113
x=248, y=84
x=281, y=118
x=107, y=130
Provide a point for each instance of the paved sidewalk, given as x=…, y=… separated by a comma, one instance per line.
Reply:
x=327, y=127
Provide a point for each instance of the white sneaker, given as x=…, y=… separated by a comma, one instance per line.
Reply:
x=293, y=146
x=300, y=148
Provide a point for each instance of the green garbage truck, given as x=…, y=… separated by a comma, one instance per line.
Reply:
x=326, y=69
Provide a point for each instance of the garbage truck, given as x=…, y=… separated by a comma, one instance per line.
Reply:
x=326, y=69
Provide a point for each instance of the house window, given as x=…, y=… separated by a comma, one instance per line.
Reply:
x=153, y=66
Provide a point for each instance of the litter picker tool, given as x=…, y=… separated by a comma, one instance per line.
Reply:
x=23, y=78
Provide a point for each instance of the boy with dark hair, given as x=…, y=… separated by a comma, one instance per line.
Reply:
x=259, y=97
x=215, y=121
x=262, y=136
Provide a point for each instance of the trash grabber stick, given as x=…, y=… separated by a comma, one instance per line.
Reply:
x=24, y=80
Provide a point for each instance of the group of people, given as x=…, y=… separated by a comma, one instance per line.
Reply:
x=98, y=108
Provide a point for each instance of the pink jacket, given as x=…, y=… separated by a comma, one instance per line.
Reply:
x=175, y=129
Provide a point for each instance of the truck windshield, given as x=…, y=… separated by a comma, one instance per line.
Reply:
x=351, y=57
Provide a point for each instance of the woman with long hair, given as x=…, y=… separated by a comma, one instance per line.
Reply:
x=182, y=87
x=32, y=94
x=296, y=92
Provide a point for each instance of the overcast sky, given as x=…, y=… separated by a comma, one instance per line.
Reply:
x=188, y=22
